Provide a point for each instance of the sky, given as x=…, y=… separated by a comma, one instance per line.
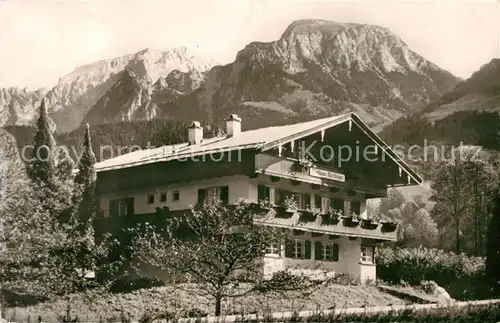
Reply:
x=42, y=40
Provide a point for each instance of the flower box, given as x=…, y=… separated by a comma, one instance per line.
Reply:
x=351, y=220
x=389, y=226
x=308, y=215
x=331, y=217
x=370, y=224
x=265, y=205
x=287, y=209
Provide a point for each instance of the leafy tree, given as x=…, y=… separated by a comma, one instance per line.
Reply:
x=394, y=200
x=420, y=201
x=13, y=179
x=493, y=247
x=218, y=247
x=43, y=256
x=456, y=182
x=420, y=229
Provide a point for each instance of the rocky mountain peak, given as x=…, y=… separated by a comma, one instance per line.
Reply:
x=76, y=93
x=348, y=46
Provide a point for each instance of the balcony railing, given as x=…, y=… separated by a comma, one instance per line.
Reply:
x=331, y=222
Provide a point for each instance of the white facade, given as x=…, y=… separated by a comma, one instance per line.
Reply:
x=242, y=187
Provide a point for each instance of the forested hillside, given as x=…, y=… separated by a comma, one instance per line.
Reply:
x=467, y=127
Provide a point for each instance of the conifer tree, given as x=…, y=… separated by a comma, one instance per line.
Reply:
x=65, y=165
x=493, y=248
x=41, y=169
x=85, y=181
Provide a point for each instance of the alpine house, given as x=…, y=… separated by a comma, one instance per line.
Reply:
x=317, y=175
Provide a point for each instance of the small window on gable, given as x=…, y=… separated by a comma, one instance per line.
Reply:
x=163, y=197
x=176, y=195
x=151, y=198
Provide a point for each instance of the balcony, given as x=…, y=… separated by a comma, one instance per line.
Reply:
x=291, y=169
x=332, y=222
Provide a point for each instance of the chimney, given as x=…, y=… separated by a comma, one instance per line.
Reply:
x=233, y=125
x=195, y=133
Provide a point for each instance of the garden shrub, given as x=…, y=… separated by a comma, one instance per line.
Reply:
x=128, y=285
x=461, y=275
x=345, y=279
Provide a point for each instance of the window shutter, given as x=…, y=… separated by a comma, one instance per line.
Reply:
x=318, y=254
x=289, y=248
x=201, y=196
x=307, y=247
x=113, y=208
x=130, y=205
x=224, y=195
x=335, y=256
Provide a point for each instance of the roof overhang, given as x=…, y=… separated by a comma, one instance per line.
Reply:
x=182, y=156
x=352, y=119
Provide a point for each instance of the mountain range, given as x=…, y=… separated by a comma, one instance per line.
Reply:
x=315, y=68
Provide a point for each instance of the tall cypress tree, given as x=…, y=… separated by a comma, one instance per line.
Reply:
x=493, y=248
x=65, y=165
x=85, y=181
x=41, y=169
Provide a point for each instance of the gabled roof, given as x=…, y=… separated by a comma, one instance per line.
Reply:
x=262, y=139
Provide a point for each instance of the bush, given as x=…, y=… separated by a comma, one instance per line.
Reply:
x=460, y=275
x=127, y=285
x=483, y=313
x=345, y=279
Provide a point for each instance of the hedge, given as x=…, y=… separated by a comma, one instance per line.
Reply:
x=461, y=275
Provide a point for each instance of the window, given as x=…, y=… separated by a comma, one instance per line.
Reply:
x=325, y=204
x=214, y=194
x=282, y=195
x=264, y=193
x=298, y=198
x=176, y=195
x=356, y=207
x=163, y=197
x=367, y=253
x=298, y=249
x=274, y=249
x=326, y=251
x=317, y=201
x=306, y=201
x=121, y=207
x=151, y=199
